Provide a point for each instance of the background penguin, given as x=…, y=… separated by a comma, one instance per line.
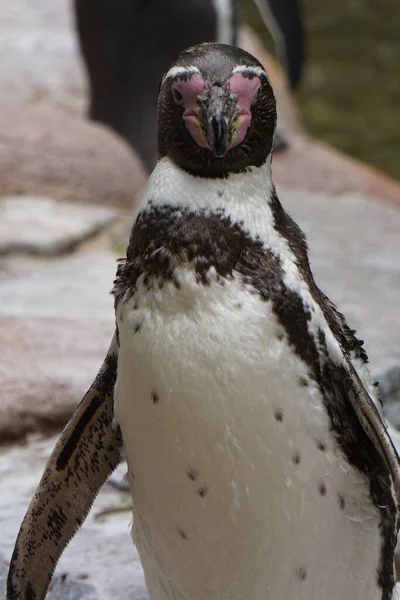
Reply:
x=128, y=44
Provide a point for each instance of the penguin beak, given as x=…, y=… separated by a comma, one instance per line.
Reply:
x=217, y=112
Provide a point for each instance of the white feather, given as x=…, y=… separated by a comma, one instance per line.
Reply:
x=263, y=529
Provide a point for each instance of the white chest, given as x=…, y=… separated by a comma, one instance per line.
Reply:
x=239, y=491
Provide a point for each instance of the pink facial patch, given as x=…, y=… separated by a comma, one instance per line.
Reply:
x=186, y=93
x=245, y=89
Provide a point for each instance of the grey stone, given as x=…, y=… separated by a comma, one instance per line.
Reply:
x=3, y=577
x=389, y=383
x=101, y=554
x=56, y=323
x=47, y=152
x=355, y=257
x=39, y=55
x=64, y=587
x=37, y=225
x=77, y=287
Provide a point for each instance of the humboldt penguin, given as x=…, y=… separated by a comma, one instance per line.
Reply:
x=259, y=463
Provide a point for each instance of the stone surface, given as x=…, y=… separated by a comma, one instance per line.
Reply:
x=64, y=587
x=389, y=382
x=3, y=576
x=38, y=225
x=55, y=327
x=49, y=153
x=39, y=56
x=313, y=166
x=355, y=257
x=101, y=554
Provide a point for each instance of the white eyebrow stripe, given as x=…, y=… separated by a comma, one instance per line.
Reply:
x=178, y=71
x=255, y=70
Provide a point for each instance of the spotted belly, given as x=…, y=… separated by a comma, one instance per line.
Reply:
x=239, y=489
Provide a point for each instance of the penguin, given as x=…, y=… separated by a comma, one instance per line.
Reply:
x=258, y=460
x=128, y=44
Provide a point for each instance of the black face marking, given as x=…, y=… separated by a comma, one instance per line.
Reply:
x=322, y=489
x=216, y=63
x=296, y=458
x=301, y=573
x=155, y=397
x=203, y=491
x=192, y=474
x=182, y=534
x=278, y=415
x=342, y=502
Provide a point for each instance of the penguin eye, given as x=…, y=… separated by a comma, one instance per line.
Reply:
x=177, y=96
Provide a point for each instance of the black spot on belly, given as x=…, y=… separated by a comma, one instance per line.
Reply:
x=220, y=193
x=342, y=502
x=278, y=415
x=322, y=489
x=303, y=382
x=296, y=458
x=192, y=474
x=137, y=327
x=279, y=337
x=155, y=397
x=203, y=491
x=321, y=446
x=301, y=573
x=182, y=534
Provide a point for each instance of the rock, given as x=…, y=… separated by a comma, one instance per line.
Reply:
x=55, y=327
x=3, y=577
x=51, y=154
x=64, y=587
x=355, y=257
x=39, y=56
x=101, y=554
x=310, y=165
x=46, y=367
x=38, y=225
x=389, y=384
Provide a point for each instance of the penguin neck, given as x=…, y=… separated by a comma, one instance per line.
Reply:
x=243, y=197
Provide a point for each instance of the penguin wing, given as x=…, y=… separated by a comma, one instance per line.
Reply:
x=361, y=390
x=373, y=425
x=83, y=458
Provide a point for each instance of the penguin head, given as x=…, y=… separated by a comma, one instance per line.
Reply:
x=216, y=111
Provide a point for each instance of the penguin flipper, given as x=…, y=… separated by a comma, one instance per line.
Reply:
x=374, y=426
x=83, y=458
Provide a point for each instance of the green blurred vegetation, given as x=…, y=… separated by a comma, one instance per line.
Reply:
x=350, y=93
